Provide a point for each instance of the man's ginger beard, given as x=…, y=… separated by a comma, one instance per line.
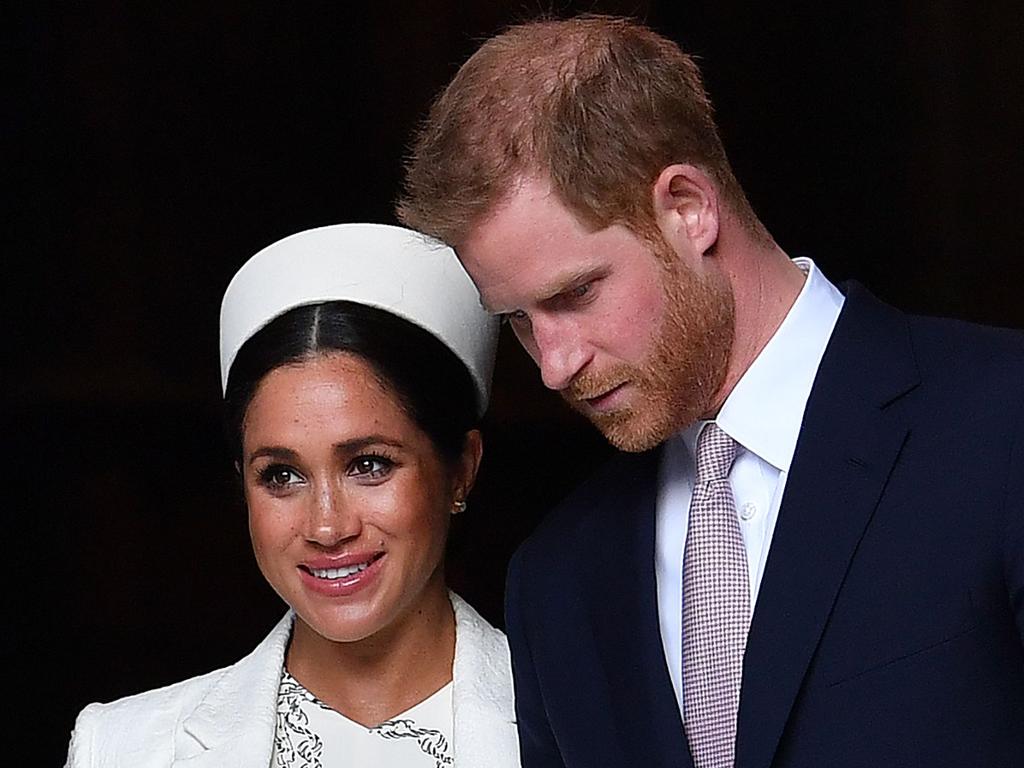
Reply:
x=683, y=371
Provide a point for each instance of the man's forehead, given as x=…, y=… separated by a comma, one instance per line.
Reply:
x=531, y=248
x=531, y=209
x=532, y=220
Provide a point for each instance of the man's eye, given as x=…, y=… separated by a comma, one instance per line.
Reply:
x=279, y=476
x=373, y=467
x=580, y=294
x=517, y=317
x=580, y=291
x=577, y=296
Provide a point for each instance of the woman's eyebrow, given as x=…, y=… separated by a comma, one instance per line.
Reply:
x=275, y=452
x=354, y=445
x=360, y=443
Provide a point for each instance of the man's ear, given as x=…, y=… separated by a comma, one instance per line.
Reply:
x=686, y=208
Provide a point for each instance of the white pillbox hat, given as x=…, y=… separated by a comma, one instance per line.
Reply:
x=391, y=268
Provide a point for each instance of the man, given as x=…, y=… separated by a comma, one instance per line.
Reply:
x=814, y=555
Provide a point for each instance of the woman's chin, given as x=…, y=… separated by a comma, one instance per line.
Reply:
x=351, y=624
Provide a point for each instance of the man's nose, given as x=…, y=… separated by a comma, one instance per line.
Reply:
x=332, y=517
x=558, y=352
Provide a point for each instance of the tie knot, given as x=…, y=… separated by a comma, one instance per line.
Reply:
x=715, y=454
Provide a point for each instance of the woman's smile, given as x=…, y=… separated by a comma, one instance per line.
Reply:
x=343, y=577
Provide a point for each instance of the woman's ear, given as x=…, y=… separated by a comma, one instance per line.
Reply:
x=686, y=208
x=468, y=465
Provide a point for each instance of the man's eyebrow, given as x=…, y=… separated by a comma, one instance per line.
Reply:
x=556, y=286
x=569, y=280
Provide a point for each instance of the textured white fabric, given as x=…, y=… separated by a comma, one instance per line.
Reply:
x=227, y=718
x=716, y=606
x=763, y=414
x=391, y=268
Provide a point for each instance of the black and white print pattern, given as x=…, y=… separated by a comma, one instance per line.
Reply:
x=297, y=745
x=432, y=743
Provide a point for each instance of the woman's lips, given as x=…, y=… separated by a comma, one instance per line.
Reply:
x=341, y=577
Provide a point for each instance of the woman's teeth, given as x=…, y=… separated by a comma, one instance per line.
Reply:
x=338, y=573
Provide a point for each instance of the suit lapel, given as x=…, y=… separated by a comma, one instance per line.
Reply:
x=851, y=437
x=624, y=617
x=235, y=722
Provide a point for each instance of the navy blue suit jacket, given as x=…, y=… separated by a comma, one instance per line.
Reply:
x=888, y=629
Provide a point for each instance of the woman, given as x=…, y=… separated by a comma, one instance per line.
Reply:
x=355, y=362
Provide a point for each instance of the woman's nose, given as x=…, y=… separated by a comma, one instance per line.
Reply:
x=332, y=519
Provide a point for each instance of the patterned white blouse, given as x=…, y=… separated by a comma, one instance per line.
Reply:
x=312, y=735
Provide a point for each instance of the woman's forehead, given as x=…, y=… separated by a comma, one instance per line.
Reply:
x=339, y=392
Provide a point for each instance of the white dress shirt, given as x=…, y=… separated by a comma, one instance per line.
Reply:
x=763, y=414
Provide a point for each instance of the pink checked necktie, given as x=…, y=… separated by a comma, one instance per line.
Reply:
x=716, y=606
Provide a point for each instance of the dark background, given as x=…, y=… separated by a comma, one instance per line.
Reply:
x=153, y=149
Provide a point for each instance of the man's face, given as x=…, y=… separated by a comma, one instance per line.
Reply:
x=636, y=339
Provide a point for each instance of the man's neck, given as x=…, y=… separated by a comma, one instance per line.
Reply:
x=765, y=285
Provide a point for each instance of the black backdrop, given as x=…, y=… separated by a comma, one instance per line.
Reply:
x=152, y=150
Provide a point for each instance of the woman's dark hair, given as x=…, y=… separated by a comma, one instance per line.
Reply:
x=432, y=384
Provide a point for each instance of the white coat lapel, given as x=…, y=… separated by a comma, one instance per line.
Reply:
x=234, y=723
x=484, y=710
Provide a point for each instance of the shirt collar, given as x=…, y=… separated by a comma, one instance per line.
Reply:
x=765, y=409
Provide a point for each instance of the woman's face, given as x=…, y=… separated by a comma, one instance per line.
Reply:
x=349, y=501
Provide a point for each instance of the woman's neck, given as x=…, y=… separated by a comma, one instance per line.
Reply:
x=383, y=675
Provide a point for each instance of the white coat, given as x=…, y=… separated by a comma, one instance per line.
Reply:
x=227, y=718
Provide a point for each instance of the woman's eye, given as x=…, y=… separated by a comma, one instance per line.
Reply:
x=374, y=467
x=279, y=476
